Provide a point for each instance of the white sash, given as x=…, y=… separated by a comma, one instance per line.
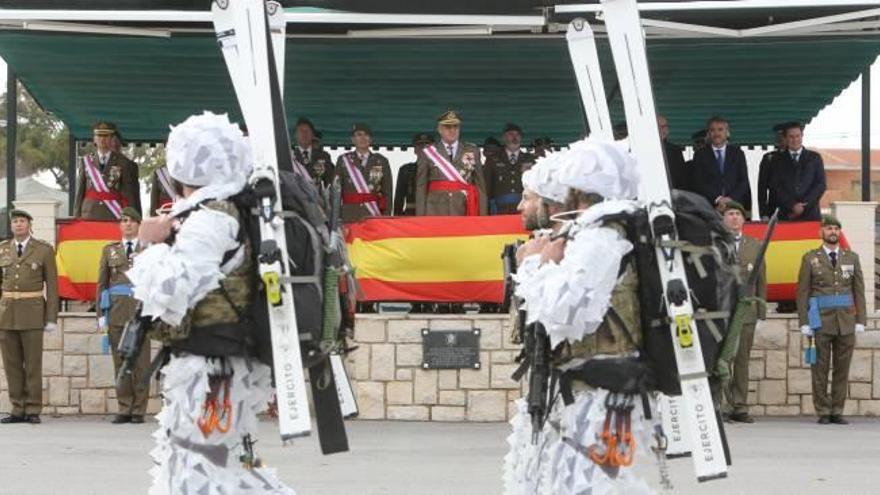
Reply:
x=446, y=167
x=357, y=178
x=101, y=186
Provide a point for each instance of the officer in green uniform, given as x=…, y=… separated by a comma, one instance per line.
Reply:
x=504, y=170
x=405, y=191
x=831, y=310
x=107, y=181
x=746, y=256
x=28, y=307
x=371, y=173
x=115, y=308
x=438, y=188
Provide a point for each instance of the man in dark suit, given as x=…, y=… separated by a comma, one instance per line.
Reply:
x=720, y=173
x=798, y=181
x=766, y=204
x=678, y=177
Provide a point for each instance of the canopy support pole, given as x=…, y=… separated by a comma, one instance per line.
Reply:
x=11, y=134
x=866, y=134
x=71, y=171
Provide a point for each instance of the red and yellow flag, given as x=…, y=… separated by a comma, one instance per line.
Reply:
x=448, y=259
x=787, y=247
x=78, y=254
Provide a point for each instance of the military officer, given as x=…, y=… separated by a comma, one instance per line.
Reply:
x=163, y=190
x=449, y=177
x=831, y=310
x=504, y=172
x=107, y=181
x=405, y=191
x=308, y=154
x=747, y=255
x=365, y=177
x=28, y=307
x=115, y=308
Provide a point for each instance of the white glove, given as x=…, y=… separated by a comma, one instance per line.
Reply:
x=860, y=328
x=806, y=330
x=102, y=324
x=50, y=327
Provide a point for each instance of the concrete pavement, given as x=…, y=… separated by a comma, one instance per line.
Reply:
x=81, y=456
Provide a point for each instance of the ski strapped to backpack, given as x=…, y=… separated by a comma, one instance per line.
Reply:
x=626, y=38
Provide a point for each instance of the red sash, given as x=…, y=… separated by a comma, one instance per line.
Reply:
x=361, y=198
x=106, y=196
x=472, y=195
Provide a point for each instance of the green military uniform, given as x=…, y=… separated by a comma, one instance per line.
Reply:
x=820, y=276
x=28, y=303
x=503, y=173
x=115, y=308
x=317, y=162
x=466, y=160
x=120, y=176
x=747, y=254
x=376, y=172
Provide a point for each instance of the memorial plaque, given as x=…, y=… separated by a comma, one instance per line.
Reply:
x=450, y=349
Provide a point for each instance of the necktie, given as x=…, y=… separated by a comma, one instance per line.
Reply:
x=128, y=249
x=719, y=159
x=513, y=158
x=833, y=256
x=794, y=156
x=306, y=155
x=450, y=150
x=20, y=249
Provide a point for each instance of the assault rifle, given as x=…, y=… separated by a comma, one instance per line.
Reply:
x=539, y=375
x=508, y=257
x=131, y=342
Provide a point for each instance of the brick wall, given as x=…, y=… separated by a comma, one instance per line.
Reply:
x=390, y=384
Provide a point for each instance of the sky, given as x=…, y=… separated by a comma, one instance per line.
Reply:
x=836, y=126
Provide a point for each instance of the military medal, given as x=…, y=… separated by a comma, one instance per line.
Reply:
x=35, y=266
x=376, y=178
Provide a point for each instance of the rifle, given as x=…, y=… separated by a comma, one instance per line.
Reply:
x=539, y=359
x=731, y=343
x=508, y=257
x=131, y=342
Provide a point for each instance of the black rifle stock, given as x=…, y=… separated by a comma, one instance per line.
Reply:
x=538, y=377
x=131, y=342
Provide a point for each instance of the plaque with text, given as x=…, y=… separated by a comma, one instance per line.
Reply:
x=450, y=349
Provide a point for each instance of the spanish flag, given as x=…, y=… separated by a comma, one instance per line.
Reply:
x=443, y=259
x=78, y=254
x=787, y=247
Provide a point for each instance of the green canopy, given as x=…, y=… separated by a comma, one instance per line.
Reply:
x=400, y=85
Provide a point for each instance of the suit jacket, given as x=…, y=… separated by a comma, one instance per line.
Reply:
x=710, y=183
x=33, y=272
x=798, y=182
x=111, y=271
x=675, y=166
x=818, y=278
x=319, y=164
x=747, y=255
x=405, y=191
x=448, y=203
x=120, y=175
x=504, y=179
x=377, y=167
x=766, y=173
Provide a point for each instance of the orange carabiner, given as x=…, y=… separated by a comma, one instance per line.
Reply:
x=208, y=421
x=607, y=438
x=226, y=415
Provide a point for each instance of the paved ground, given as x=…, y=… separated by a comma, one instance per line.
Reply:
x=78, y=456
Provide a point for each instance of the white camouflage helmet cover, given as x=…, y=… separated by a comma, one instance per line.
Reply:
x=596, y=166
x=542, y=179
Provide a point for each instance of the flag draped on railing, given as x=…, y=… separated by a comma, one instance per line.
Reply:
x=78, y=254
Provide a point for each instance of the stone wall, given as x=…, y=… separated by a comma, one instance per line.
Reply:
x=390, y=383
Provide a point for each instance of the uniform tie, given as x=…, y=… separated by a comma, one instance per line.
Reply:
x=306, y=155
x=450, y=150
x=19, y=248
x=719, y=160
x=833, y=256
x=513, y=158
x=128, y=248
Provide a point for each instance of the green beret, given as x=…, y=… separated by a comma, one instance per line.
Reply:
x=16, y=213
x=735, y=205
x=831, y=220
x=360, y=126
x=131, y=213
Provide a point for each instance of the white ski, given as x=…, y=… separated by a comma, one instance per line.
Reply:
x=585, y=60
x=252, y=75
x=278, y=29
x=630, y=59
x=677, y=444
x=347, y=402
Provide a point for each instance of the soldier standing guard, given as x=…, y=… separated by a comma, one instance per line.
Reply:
x=116, y=307
x=831, y=310
x=449, y=179
x=405, y=191
x=746, y=256
x=504, y=172
x=107, y=181
x=366, y=178
x=28, y=307
x=308, y=156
